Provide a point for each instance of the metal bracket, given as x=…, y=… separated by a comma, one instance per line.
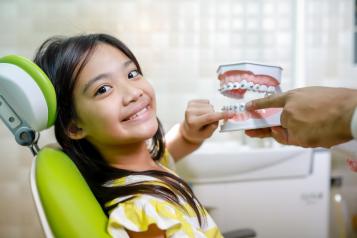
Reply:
x=24, y=134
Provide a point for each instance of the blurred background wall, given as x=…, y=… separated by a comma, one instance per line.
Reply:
x=179, y=44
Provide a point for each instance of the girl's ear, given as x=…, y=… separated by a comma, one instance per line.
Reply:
x=74, y=132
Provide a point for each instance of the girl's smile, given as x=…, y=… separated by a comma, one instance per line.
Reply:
x=136, y=111
x=139, y=116
x=114, y=103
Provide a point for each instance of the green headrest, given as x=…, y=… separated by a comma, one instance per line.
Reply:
x=41, y=80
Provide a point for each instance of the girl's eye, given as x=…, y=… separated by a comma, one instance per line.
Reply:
x=133, y=74
x=102, y=90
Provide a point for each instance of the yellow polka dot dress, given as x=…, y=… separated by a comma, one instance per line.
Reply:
x=137, y=212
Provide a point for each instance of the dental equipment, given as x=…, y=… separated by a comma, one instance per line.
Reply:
x=237, y=80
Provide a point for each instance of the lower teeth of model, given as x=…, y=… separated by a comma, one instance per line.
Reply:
x=240, y=107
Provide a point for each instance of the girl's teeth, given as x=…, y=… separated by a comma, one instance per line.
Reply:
x=138, y=114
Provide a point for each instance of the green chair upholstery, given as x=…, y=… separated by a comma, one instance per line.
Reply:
x=70, y=206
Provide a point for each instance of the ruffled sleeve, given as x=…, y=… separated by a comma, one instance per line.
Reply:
x=139, y=213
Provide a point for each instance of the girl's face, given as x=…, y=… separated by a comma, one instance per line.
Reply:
x=114, y=104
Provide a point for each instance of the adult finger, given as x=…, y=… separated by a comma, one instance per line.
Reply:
x=259, y=133
x=284, y=120
x=277, y=100
x=280, y=134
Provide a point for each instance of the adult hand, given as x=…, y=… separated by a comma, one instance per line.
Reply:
x=311, y=116
x=200, y=121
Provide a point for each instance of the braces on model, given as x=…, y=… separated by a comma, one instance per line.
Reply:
x=236, y=80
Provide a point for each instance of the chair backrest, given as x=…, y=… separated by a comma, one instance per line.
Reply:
x=65, y=203
x=70, y=207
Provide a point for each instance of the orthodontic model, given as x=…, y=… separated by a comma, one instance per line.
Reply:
x=236, y=80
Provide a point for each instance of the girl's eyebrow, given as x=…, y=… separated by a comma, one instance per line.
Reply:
x=93, y=80
x=128, y=62
x=104, y=75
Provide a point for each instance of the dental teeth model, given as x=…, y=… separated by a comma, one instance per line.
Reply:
x=236, y=80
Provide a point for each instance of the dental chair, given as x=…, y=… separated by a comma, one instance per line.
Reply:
x=65, y=204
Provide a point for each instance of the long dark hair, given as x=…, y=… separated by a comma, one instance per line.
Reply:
x=62, y=59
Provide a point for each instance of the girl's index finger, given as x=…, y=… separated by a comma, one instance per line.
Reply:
x=213, y=117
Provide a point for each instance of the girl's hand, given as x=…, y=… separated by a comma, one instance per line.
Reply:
x=200, y=121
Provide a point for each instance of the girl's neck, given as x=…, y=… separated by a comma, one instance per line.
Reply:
x=134, y=157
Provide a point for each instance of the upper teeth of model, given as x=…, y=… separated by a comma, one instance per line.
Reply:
x=244, y=84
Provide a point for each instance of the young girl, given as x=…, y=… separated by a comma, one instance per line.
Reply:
x=107, y=124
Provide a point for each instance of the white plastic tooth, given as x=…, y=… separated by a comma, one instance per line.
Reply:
x=256, y=87
x=242, y=107
x=224, y=87
x=229, y=85
x=271, y=89
x=263, y=88
x=243, y=84
x=250, y=85
x=235, y=107
x=236, y=85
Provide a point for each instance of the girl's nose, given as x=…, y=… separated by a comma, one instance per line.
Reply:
x=131, y=94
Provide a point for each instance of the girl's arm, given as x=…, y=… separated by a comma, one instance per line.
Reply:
x=200, y=122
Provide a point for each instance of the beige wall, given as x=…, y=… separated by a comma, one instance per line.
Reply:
x=179, y=44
